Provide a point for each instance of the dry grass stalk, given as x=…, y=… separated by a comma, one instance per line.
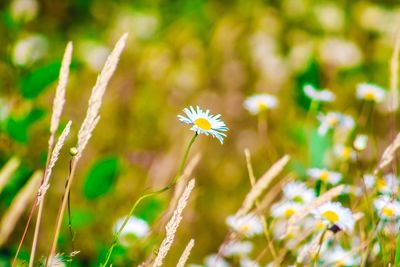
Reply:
x=393, y=96
x=261, y=185
x=312, y=249
x=389, y=153
x=87, y=128
x=59, y=98
x=173, y=224
x=303, y=212
x=53, y=160
x=185, y=255
x=92, y=114
x=17, y=207
x=7, y=171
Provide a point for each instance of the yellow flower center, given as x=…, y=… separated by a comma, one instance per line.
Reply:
x=324, y=176
x=346, y=153
x=332, y=121
x=244, y=228
x=381, y=183
x=320, y=225
x=370, y=95
x=388, y=212
x=340, y=263
x=203, y=124
x=298, y=199
x=331, y=216
x=289, y=212
x=261, y=106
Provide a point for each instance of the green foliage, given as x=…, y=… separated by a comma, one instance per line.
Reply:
x=35, y=82
x=318, y=145
x=149, y=209
x=18, y=127
x=101, y=177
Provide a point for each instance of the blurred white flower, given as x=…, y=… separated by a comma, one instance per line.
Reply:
x=318, y=95
x=204, y=123
x=340, y=53
x=259, y=103
x=246, y=262
x=285, y=209
x=24, y=10
x=141, y=25
x=334, y=120
x=134, y=229
x=370, y=92
x=237, y=248
x=369, y=180
x=28, y=50
x=388, y=184
x=93, y=54
x=360, y=142
x=215, y=260
x=344, y=153
x=333, y=213
x=298, y=192
x=247, y=225
x=387, y=207
x=324, y=175
x=337, y=256
x=329, y=16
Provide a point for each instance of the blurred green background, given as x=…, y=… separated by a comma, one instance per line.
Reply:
x=179, y=53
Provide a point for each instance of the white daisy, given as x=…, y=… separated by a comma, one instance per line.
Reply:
x=337, y=256
x=259, y=103
x=204, y=123
x=388, y=184
x=285, y=209
x=318, y=95
x=134, y=229
x=247, y=225
x=370, y=92
x=387, y=207
x=215, y=261
x=369, y=180
x=324, y=175
x=344, y=153
x=237, y=248
x=333, y=213
x=298, y=192
x=334, y=120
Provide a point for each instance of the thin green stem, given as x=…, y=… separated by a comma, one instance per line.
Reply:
x=169, y=186
x=321, y=240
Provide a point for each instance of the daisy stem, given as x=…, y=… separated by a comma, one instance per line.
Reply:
x=312, y=109
x=321, y=240
x=169, y=186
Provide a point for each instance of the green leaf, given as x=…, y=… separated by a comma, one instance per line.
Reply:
x=101, y=177
x=397, y=258
x=18, y=127
x=80, y=218
x=319, y=145
x=149, y=209
x=35, y=82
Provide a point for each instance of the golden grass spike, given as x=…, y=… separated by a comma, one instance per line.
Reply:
x=17, y=207
x=185, y=255
x=173, y=224
x=7, y=171
x=389, y=153
x=262, y=184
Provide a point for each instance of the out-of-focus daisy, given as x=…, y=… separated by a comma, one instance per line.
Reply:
x=285, y=209
x=204, y=123
x=333, y=120
x=237, y=248
x=298, y=192
x=370, y=92
x=318, y=95
x=337, y=256
x=324, y=175
x=369, y=180
x=247, y=225
x=215, y=260
x=259, y=103
x=360, y=142
x=333, y=213
x=388, y=184
x=134, y=229
x=57, y=261
x=246, y=262
x=387, y=208
x=344, y=153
